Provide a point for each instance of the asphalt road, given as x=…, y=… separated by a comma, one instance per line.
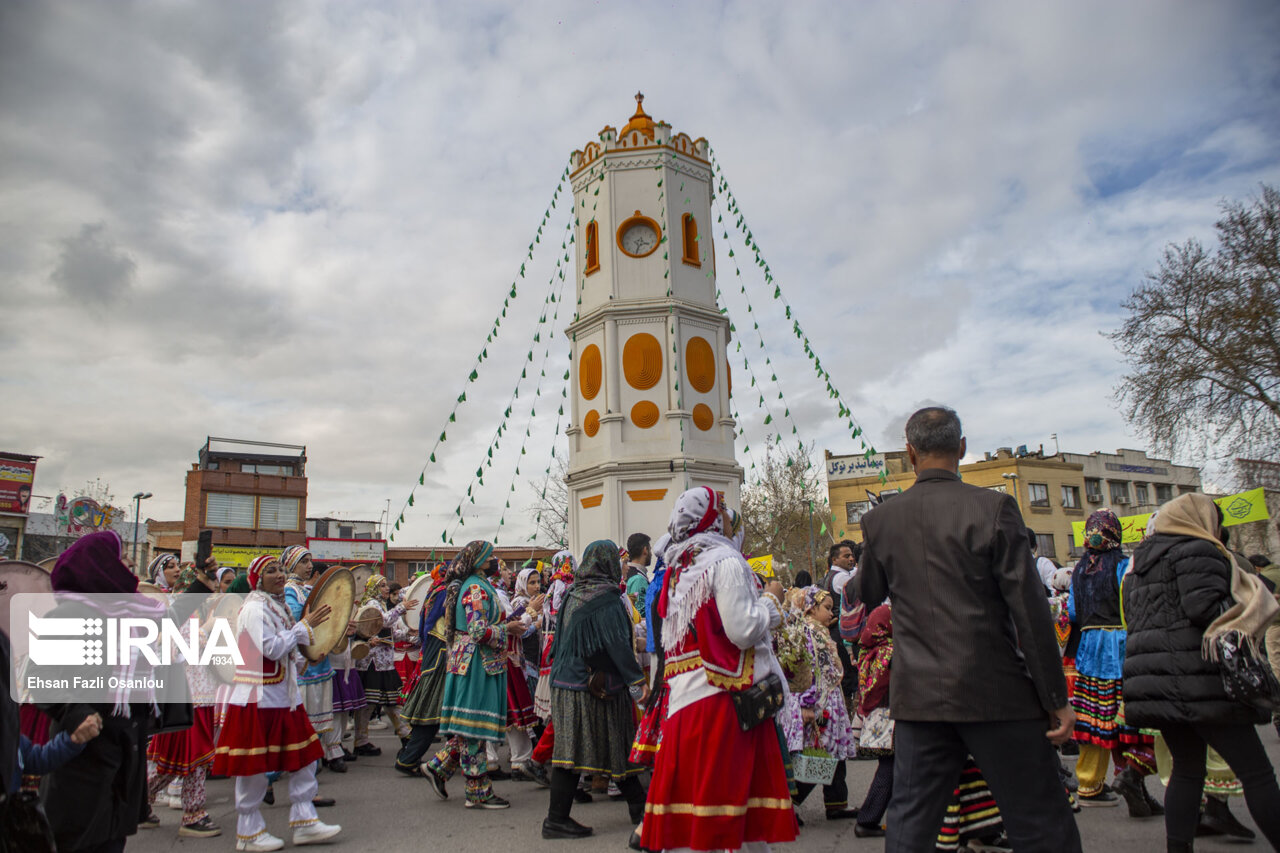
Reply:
x=380, y=808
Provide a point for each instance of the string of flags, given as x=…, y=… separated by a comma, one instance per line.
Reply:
x=483, y=356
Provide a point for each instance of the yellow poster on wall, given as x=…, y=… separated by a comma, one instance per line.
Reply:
x=1241, y=508
x=763, y=566
x=240, y=556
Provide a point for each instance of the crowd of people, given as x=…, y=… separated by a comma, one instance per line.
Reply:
x=712, y=700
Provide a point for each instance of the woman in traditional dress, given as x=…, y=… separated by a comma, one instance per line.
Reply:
x=521, y=718
x=164, y=571
x=378, y=668
x=714, y=785
x=185, y=756
x=96, y=799
x=821, y=699
x=1100, y=731
x=474, y=707
x=562, y=568
x=266, y=728
x=317, y=691
x=595, y=681
x=874, y=665
x=422, y=707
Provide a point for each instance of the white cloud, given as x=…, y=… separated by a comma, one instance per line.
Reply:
x=296, y=222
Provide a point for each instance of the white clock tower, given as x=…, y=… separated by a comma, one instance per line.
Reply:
x=650, y=408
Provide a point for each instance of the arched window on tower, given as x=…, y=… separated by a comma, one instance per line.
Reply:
x=689, y=227
x=593, y=247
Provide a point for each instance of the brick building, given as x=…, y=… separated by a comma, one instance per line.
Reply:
x=251, y=494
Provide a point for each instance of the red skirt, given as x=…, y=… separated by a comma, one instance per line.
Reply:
x=519, y=699
x=179, y=753
x=259, y=740
x=409, y=670
x=730, y=787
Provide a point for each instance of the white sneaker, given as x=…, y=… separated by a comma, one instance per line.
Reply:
x=314, y=833
x=263, y=842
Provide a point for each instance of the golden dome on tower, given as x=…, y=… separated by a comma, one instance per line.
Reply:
x=641, y=121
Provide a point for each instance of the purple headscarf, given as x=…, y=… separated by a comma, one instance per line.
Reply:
x=93, y=565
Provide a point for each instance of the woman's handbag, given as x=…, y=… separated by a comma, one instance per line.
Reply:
x=172, y=717
x=1246, y=673
x=814, y=766
x=759, y=702
x=876, y=740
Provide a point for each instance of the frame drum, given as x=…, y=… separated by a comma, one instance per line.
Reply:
x=369, y=621
x=336, y=588
x=418, y=589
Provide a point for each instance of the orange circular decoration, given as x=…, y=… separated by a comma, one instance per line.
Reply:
x=591, y=423
x=700, y=364
x=703, y=418
x=642, y=361
x=644, y=414
x=589, y=372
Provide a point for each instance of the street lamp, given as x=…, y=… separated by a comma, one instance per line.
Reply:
x=1017, y=499
x=137, y=509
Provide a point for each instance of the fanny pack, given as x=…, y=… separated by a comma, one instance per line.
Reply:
x=759, y=702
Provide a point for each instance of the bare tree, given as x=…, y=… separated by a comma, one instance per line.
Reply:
x=1203, y=340
x=550, y=508
x=784, y=505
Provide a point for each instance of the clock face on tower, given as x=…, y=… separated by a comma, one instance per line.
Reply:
x=639, y=236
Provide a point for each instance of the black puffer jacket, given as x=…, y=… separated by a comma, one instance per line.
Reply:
x=1177, y=587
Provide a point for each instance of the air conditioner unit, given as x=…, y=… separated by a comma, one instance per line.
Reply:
x=1122, y=501
x=1094, y=497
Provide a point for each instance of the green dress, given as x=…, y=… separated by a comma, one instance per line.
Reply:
x=475, y=688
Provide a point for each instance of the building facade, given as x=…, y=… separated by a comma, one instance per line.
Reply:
x=1052, y=490
x=251, y=495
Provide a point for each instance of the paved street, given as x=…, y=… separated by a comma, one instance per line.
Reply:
x=377, y=806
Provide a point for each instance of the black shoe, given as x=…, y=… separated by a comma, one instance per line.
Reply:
x=581, y=796
x=1217, y=815
x=841, y=814
x=493, y=801
x=1128, y=784
x=1105, y=797
x=862, y=830
x=270, y=796
x=1178, y=847
x=337, y=765
x=1157, y=808
x=564, y=828
x=322, y=802
x=349, y=756
x=409, y=769
x=437, y=782
x=149, y=822
x=499, y=775
x=368, y=749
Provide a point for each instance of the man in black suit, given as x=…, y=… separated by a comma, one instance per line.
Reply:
x=976, y=668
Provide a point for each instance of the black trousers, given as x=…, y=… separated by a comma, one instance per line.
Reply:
x=565, y=782
x=420, y=738
x=1019, y=764
x=1240, y=748
x=879, y=792
x=834, y=796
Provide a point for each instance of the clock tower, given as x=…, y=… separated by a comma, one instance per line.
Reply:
x=650, y=401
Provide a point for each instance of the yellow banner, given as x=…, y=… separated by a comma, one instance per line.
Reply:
x=1236, y=509
x=240, y=556
x=762, y=566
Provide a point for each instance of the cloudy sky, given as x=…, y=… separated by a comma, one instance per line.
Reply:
x=296, y=222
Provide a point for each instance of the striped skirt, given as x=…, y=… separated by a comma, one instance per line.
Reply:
x=1100, y=714
x=973, y=813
